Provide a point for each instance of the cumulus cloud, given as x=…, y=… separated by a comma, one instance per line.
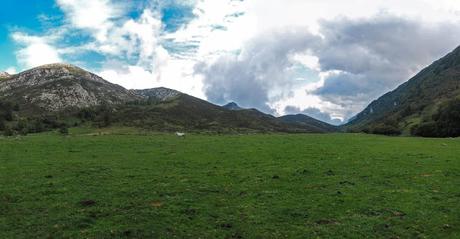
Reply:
x=357, y=61
x=37, y=51
x=227, y=50
x=95, y=15
x=368, y=57
x=133, y=42
x=11, y=70
x=259, y=73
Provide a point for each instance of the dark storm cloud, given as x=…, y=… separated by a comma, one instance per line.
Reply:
x=314, y=113
x=364, y=59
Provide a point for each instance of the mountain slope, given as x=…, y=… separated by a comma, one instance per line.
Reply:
x=57, y=95
x=185, y=112
x=307, y=121
x=56, y=87
x=415, y=102
x=159, y=94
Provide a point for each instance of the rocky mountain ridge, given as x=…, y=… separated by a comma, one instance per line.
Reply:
x=55, y=87
x=159, y=93
x=52, y=94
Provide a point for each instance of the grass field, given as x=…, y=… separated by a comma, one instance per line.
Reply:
x=248, y=186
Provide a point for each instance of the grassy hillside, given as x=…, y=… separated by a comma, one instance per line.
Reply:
x=416, y=102
x=177, y=113
x=124, y=185
x=192, y=114
x=307, y=121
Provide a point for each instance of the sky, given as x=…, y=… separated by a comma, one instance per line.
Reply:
x=325, y=58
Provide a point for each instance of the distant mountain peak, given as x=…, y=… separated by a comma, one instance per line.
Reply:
x=4, y=74
x=232, y=106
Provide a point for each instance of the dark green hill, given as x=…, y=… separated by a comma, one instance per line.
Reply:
x=187, y=113
x=416, y=103
x=307, y=121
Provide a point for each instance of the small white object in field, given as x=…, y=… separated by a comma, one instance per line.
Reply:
x=179, y=134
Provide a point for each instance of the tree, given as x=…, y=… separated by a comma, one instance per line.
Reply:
x=386, y=130
x=64, y=130
x=426, y=129
x=6, y=111
x=445, y=123
x=448, y=119
x=8, y=131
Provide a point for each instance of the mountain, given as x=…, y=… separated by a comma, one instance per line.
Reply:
x=4, y=75
x=160, y=93
x=60, y=95
x=232, y=106
x=307, y=121
x=187, y=113
x=418, y=105
x=56, y=87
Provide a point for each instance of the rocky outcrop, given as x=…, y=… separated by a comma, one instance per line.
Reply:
x=160, y=94
x=58, y=86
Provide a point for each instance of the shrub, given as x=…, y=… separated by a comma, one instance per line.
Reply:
x=22, y=125
x=8, y=131
x=6, y=111
x=386, y=130
x=427, y=129
x=64, y=130
x=36, y=126
x=448, y=119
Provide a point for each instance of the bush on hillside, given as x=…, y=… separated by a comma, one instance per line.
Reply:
x=426, y=129
x=7, y=109
x=64, y=130
x=446, y=122
x=448, y=119
x=386, y=129
x=8, y=131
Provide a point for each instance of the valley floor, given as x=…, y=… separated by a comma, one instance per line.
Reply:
x=240, y=186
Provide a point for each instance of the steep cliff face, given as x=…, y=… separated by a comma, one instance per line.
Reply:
x=59, y=86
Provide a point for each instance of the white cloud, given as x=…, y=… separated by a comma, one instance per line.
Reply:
x=94, y=15
x=138, y=53
x=11, y=70
x=37, y=51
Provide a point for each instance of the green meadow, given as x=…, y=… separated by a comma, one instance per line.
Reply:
x=127, y=184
